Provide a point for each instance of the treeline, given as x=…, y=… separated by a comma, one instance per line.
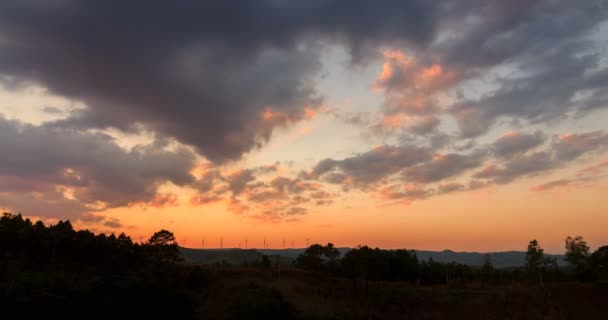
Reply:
x=47, y=272
x=52, y=271
x=365, y=263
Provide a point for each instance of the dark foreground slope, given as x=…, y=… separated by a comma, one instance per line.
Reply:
x=59, y=273
x=237, y=293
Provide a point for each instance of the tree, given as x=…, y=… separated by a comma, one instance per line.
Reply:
x=534, y=256
x=311, y=258
x=163, y=238
x=317, y=257
x=599, y=258
x=331, y=252
x=535, y=260
x=577, y=252
x=164, y=246
x=487, y=268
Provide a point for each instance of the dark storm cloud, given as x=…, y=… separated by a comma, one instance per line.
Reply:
x=203, y=72
x=40, y=159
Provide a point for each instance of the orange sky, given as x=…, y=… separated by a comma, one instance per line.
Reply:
x=495, y=219
x=413, y=134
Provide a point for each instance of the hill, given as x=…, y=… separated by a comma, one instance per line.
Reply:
x=504, y=259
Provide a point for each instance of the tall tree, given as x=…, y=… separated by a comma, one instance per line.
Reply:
x=535, y=260
x=577, y=252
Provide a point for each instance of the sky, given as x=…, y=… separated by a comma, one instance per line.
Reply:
x=472, y=125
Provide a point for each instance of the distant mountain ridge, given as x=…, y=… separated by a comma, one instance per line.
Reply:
x=503, y=259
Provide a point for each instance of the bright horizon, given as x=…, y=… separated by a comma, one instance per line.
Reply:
x=476, y=126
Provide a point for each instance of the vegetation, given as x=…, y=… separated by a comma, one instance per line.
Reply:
x=47, y=272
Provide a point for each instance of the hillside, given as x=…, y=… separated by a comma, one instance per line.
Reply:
x=238, y=256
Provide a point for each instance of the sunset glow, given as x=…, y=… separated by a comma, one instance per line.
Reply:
x=470, y=129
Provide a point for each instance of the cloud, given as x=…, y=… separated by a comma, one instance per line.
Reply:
x=523, y=165
x=585, y=176
x=546, y=74
x=405, y=193
x=593, y=170
x=369, y=167
x=113, y=223
x=410, y=84
x=205, y=73
x=219, y=78
x=239, y=180
x=554, y=184
x=82, y=171
x=513, y=143
x=450, y=187
x=442, y=166
x=572, y=146
x=519, y=163
x=48, y=204
x=259, y=193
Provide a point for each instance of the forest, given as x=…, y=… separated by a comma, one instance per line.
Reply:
x=47, y=272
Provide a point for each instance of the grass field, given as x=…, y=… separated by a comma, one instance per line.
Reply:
x=302, y=295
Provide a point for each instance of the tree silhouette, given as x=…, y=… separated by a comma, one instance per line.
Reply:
x=164, y=246
x=318, y=257
x=599, y=258
x=487, y=268
x=577, y=252
x=163, y=238
x=535, y=260
x=577, y=255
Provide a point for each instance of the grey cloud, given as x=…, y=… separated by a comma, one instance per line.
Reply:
x=424, y=125
x=353, y=118
x=296, y=211
x=396, y=192
x=549, y=73
x=208, y=181
x=291, y=186
x=450, y=187
x=373, y=165
x=554, y=184
x=514, y=143
x=112, y=223
x=238, y=181
x=584, y=176
x=572, y=146
x=47, y=204
x=92, y=164
x=203, y=72
x=90, y=217
x=442, y=167
x=523, y=165
x=562, y=150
